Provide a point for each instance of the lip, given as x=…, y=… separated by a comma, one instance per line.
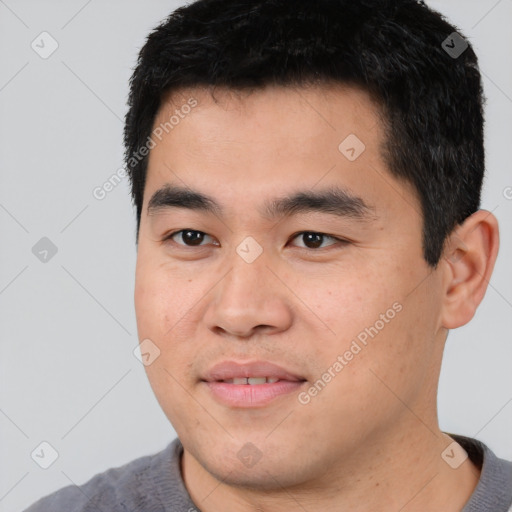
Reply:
x=246, y=395
x=234, y=370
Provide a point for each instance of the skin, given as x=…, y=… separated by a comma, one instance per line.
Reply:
x=370, y=439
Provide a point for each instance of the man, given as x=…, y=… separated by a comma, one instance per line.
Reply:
x=307, y=182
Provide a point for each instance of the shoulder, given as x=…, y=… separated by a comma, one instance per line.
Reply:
x=494, y=490
x=127, y=487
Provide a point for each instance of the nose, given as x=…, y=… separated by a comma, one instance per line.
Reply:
x=249, y=300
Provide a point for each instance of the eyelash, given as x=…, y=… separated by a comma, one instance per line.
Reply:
x=340, y=241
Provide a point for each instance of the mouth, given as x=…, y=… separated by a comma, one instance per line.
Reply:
x=253, y=381
x=246, y=385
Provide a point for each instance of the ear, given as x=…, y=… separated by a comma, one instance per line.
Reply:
x=468, y=261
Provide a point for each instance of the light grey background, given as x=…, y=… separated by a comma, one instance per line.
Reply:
x=67, y=327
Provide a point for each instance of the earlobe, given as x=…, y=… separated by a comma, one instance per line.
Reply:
x=468, y=261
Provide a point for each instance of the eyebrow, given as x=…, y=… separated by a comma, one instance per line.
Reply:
x=334, y=201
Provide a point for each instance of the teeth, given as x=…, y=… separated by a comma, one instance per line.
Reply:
x=251, y=380
x=257, y=380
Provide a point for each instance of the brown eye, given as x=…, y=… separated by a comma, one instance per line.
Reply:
x=188, y=237
x=314, y=240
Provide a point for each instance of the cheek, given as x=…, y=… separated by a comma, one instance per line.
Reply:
x=165, y=303
x=346, y=303
x=371, y=323
x=161, y=313
x=162, y=297
x=148, y=305
x=396, y=357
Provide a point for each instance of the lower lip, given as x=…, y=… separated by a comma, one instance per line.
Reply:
x=247, y=395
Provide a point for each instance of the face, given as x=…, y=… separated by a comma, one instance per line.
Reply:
x=278, y=248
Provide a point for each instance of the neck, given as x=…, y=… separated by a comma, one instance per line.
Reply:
x=403, y=472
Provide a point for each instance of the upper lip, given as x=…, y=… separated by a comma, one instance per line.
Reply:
x=233, y=370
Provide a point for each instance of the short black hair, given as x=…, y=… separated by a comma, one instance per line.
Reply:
x=424, y=78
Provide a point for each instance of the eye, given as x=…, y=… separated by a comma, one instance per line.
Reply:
x=194, y=238
x=314, y=240
x=189, y=237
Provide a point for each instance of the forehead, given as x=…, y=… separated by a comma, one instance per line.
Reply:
x=273, y=123
x=275, y=138
x=318, y=107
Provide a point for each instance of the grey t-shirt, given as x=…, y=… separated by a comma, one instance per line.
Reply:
x=154, y=484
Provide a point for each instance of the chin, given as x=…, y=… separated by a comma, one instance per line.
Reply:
x=250, y=469
x=256, y=478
